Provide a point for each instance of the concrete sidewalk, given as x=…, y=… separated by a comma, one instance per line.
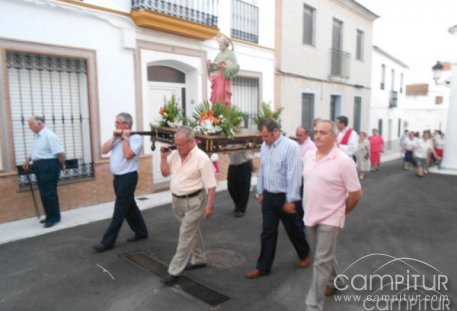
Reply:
x=30, y=227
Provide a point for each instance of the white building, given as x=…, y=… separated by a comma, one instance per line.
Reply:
x=398, y=105
x=387, y=97
x=323, y=61
x=79, y=63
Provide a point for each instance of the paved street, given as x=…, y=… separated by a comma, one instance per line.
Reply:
x=400, y=215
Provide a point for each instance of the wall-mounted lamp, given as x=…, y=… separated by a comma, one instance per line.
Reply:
x=437, y=71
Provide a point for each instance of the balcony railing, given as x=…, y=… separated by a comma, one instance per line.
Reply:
x=245, y=21
x=198, y=11
x=339, y=63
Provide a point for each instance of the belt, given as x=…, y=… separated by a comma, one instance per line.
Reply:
x=186, y=196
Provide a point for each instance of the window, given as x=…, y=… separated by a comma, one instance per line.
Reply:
x=335, y=107
x=401, y=82
x=380, y=126
x=307, y=116
x=359, y=47
x=383, y=76
x=246, y=97
x=245, y=21
x=56, y=88
x=392, y=85
x=357, y=113
x=438, y=100
x=308, y=25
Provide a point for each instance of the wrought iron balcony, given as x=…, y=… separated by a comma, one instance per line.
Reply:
x=339, y=63
x=194, y=19
x=245, y=21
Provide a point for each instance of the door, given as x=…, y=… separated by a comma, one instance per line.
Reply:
x=158, y=94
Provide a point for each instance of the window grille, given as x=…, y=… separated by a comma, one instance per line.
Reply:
x=246, y=97
x=56, y=88
x=245, y=21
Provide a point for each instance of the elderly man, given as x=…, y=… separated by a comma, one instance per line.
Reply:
x=124, y=162
x=193, y=187
x=331, y=191
x=304, y=140
x=278, y=190
x=48, y=160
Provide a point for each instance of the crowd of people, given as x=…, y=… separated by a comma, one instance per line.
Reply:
x=422, y=151
x=309, y=184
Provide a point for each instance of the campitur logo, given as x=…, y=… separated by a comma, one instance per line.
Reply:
x=384, y=282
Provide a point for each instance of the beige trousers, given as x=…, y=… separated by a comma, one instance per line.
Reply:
x=323, y=240
x=190, y=244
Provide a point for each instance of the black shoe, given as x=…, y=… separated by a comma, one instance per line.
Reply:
x=169, y=279
x=191, y=266
x=43, y=221
x=137, y=238
x=239, y=214
x=49, y=224
x=99, y=248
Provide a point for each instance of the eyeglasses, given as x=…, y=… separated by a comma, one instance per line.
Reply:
x=120, y=122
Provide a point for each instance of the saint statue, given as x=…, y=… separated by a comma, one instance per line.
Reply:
x=221, y=72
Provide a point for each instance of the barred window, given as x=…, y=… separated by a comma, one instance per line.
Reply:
x=246, y=97
x=56, y=88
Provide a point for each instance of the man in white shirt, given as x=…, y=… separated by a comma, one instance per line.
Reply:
x=347, y=139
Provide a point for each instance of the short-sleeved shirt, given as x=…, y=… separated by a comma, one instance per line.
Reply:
x=351, y=148
x=119, y=164
x=47, y=145
x=327, y=183
x=194, y=173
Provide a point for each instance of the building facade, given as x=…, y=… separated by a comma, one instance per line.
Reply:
x=323, y=67
x=79, y=63
x=388, y=97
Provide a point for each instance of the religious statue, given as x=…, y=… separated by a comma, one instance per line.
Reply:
x=221, y=72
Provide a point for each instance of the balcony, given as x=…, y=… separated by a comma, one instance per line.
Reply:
x=195, y=19
x=339, y=63
x=245, y=21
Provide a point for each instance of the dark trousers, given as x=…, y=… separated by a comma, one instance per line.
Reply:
x=125, y=207
x=47, y=174
x=272, y=212
x=239, y=184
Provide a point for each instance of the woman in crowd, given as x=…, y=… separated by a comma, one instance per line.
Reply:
x=408, y=160
x=376, y=147
x=363, y=155
x=423, y=150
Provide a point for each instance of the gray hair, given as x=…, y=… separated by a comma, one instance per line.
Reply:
x=39, y=119
x=185, y=131
x=333, y=125
x=127, y=117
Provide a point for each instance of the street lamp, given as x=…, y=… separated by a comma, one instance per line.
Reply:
x=437, y=71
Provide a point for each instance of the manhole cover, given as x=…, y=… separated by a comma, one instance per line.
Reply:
x=224, y=258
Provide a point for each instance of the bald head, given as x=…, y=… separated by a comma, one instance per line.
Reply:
x=301, y=134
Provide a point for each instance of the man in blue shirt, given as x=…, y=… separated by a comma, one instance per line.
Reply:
x=278, y=190
x=124, y=162
x=48, y=159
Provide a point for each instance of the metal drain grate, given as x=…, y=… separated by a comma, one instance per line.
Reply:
x=194, y=288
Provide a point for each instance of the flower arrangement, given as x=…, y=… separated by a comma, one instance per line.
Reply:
x=171, y=114
x=214, y=119
x=267, y=113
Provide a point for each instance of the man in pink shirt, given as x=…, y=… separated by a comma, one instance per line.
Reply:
x=331, y=191
x=303, y=139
